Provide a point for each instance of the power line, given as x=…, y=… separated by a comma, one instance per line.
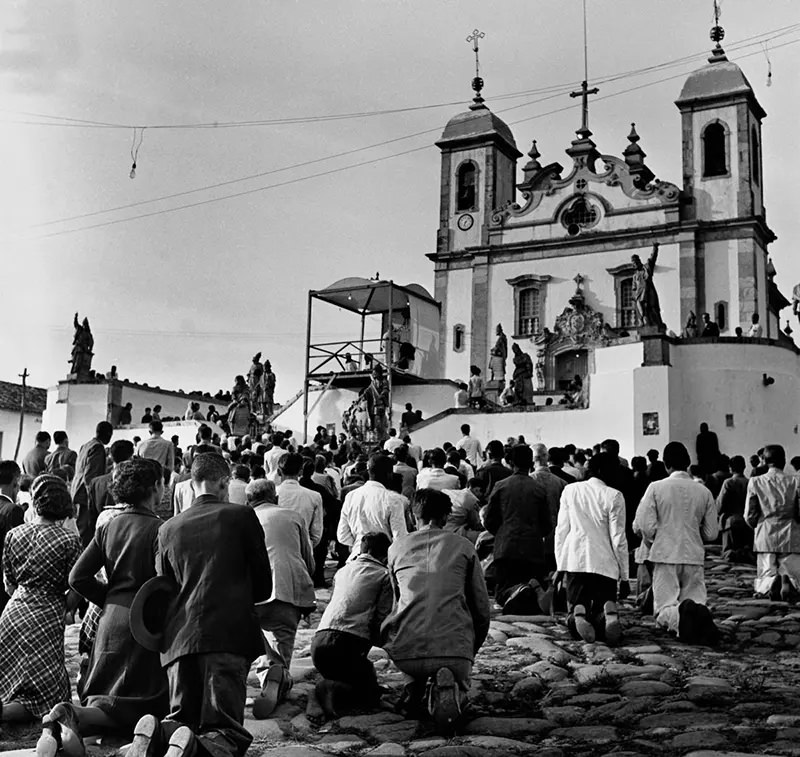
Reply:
x=334, y=170
x=374, y=145
x=293, y=120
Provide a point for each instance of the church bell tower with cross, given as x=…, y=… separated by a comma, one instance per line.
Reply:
x=479, y=158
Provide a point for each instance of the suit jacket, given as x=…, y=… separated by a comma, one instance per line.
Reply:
x=11, y=516
x=99, y=495
x=91, y=464
x=518, y=515
x=216, y=554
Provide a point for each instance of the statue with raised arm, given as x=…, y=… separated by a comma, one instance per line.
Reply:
x=498, y=356
x=82, y=345
x=645, y=297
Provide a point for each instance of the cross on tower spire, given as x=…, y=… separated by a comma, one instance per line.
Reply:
x=584, y=91
x=477, y=82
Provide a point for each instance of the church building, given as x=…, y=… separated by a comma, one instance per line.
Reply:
x=549, y=264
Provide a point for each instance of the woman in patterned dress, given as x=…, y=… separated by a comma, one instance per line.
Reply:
x=37, y=559
x=124, y=681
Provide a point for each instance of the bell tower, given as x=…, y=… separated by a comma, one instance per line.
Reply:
x=724, y=263
x=479, y=159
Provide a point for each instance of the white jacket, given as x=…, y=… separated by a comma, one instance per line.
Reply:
x=590, y=535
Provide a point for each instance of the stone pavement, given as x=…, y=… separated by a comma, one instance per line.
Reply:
x=535, y=691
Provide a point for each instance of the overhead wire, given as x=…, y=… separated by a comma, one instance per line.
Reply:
x=330, y=171
x=293, y=120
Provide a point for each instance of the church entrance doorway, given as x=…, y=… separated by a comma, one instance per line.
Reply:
x=568, y=364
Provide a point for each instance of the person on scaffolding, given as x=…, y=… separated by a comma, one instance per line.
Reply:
x=377, y=396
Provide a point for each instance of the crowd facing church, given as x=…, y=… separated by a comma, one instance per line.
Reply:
x=186, y=568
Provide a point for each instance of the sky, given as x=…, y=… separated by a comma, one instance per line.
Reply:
x=183, y=299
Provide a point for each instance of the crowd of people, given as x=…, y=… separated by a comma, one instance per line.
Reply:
x=177, y=603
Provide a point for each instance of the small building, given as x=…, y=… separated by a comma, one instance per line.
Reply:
x=10, y=407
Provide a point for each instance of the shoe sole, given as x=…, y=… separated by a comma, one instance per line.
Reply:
x=265, y=705
x=521, y=603
x=143, y=734
x=181, y=743
x=613, y=632
x=445, y=706
x=585, y=629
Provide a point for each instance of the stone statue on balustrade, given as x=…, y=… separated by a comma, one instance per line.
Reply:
x=254, y=381
x=645, y=297
x=498, y=356
x=523, y=377
x=268, y=381
x=82, y=346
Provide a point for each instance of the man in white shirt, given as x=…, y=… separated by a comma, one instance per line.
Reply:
x=183, y=492
x=393, y=442
x=372, y=508
x=591, y=548
x=238, y=484
x=756, y=329
x=435, y=477
x=159, y=449
x=295, y=497
x=772, y=510
x=674, y=517
x=273, y=456
x=471, y=446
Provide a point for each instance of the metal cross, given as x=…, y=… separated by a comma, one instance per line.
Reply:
x=584, y=93
x=578, y=280
x=473, y=39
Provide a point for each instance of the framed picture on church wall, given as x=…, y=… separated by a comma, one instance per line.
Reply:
x=650, y=425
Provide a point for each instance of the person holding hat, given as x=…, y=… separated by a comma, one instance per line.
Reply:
x=214, y=552
x=37, y=559
x=124, y=680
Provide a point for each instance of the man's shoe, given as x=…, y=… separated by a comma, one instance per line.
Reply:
x=688, y=621
x=444, y=703
x=50, y=741
x=775, y=589
x=543, y=597
x=145, y=736
x=521, y=602
x=63, y=717
x=181, y=743
x=613, y=626
x=265, y=704
x=582, y=625
x=706, y=631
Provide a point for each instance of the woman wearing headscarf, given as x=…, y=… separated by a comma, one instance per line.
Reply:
x=124, y=680
x=37, y=558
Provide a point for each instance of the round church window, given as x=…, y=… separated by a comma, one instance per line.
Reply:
x=581, y=214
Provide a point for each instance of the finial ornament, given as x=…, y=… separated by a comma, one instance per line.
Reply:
x=633, y=137
x=717, y=33
x=477, y=82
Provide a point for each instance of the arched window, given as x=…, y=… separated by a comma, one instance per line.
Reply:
x=466, y=186
x=626, y=308
x=715, y=161
x=528, y=315
x=458, y=337
x=755, y=161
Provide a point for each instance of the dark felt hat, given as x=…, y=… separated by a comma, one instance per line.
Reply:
x=150, y=609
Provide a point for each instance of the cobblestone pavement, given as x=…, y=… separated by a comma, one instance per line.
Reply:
x=535, y=691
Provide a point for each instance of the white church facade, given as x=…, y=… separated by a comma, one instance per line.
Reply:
x=545, y=250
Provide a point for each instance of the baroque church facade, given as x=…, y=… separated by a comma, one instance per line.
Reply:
x=513, y=262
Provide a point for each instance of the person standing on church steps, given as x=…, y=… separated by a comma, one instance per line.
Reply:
x=159, y=449
x=674, y=517
x=707, y=448
x=34, y=462
x=91, y=464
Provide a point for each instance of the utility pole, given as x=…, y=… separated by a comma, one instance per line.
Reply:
x=24, y=377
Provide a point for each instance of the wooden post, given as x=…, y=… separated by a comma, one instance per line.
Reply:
x=24, y=377
x=308, y=367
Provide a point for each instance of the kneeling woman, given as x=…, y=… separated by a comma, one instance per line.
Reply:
x=441, y=613
x=124, y=680
x=36, y=562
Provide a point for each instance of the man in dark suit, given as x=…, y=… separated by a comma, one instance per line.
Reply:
x=91, y=464
x=100, y=488
x=518, y=514
x=11, y=514
x=215, y=553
